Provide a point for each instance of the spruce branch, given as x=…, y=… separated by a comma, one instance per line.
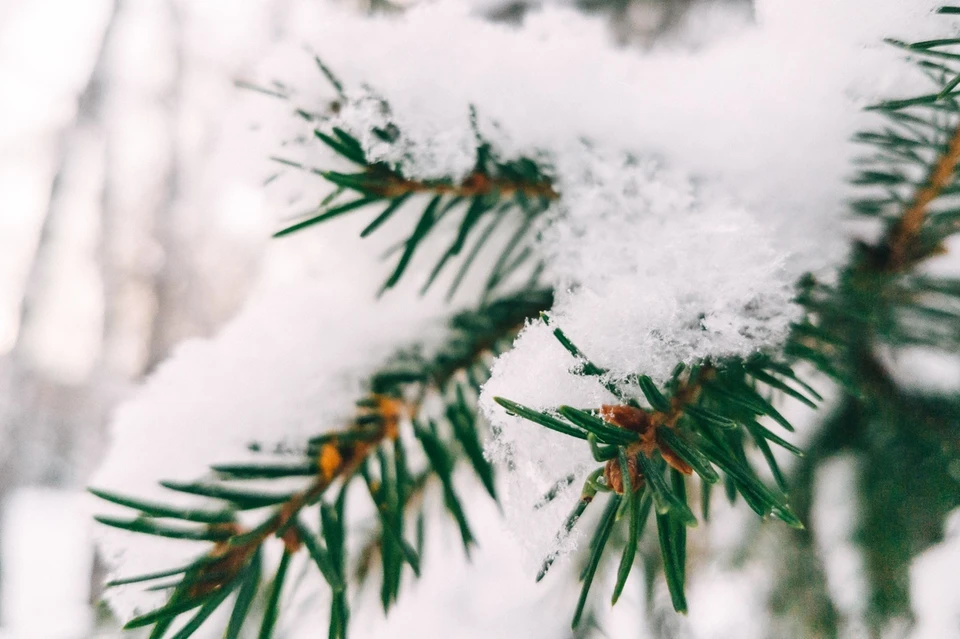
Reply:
x=371, y=447
x=882, y=300
x=496, y=186
x=654, y=439
x=493, y=188
x=905, y=232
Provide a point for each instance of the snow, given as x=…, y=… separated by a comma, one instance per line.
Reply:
x=654, y=270
x=834, y=518
x=538, y=458
x=936, y=606
x=768, y=113
x=650, y=271
x=47, y=560
x=435, y=153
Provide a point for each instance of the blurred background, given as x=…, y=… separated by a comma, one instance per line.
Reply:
x=123, y=230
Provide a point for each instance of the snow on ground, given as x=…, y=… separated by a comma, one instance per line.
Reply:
x=47, y=560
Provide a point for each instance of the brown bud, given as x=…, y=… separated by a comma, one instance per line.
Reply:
x=673, y=459
x=291, y=540
x=391, y=410
x=329, y=461
x=614, y=475
x=626, y=417
x=477, y=183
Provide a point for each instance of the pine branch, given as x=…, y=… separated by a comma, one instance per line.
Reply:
x=371, y=446
x=882, y=300
x=879, y=298
x=905, y=233
x=493, y=188
x=695, y=424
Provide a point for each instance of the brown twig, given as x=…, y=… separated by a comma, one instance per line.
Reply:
x=334, y=462
x=339, y=456
x=904, y=233
x=474, y=185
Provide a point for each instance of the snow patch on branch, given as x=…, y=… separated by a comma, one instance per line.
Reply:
x=767, y=112
x=651, y=270
x=433, y=153
x=290, y=366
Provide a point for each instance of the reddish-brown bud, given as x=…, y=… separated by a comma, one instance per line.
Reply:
x=626, y=417
x=614, y=475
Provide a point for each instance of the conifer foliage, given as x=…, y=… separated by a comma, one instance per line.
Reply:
x=658, y=447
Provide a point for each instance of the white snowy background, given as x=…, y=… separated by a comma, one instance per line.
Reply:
x=135, y=270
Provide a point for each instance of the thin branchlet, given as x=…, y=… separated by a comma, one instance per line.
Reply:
x=904, y=233
x=336, y=462
x=391, y=185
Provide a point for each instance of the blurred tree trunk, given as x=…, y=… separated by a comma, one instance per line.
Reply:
x=53, y=410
